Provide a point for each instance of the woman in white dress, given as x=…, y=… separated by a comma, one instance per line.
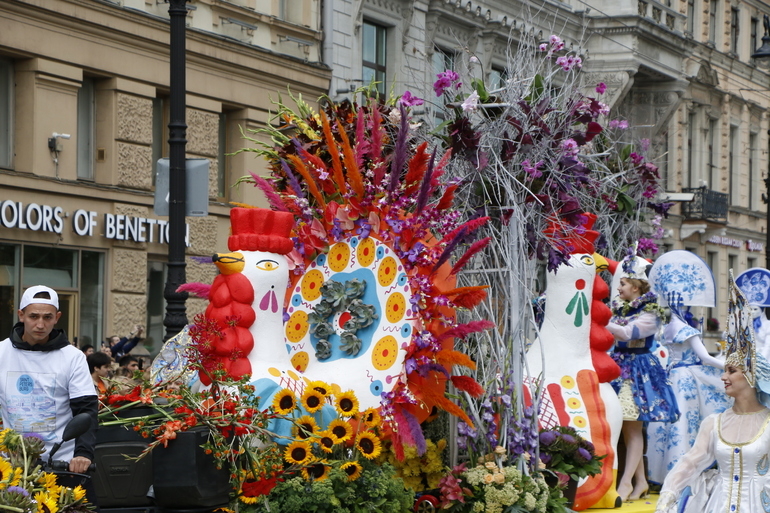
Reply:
x=738, y=438
x=695, y=378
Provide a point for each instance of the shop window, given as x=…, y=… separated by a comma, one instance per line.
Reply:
x=374, y=56
x=85, y=137
x=156, y=306
x=751, y=262
x=54, y=267
x=91, y=298
x=6, y=112
x=9, y=286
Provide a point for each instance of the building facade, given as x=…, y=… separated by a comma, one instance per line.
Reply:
x=680, y=71
x=84, y=90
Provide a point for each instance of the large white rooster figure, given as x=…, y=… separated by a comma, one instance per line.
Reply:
x=570, y=362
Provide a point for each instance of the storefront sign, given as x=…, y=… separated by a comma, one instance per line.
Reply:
x=736, y=243
x=85, y=223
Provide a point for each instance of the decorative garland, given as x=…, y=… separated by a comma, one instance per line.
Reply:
x=338, y=297
x=645, y=303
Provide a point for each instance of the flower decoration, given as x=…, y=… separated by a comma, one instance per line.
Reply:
x=564, y=451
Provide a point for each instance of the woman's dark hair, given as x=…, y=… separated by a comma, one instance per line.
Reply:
x=97, y=360
x=86, y=347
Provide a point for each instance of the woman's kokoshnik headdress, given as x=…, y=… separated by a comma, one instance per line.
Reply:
x=741, y=346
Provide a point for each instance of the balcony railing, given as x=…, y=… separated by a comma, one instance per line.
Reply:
x=661, y=14
x=707, y=205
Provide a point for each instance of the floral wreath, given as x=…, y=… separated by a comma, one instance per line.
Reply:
x=647, y=302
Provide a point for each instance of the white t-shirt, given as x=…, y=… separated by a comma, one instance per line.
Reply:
x=36, y=388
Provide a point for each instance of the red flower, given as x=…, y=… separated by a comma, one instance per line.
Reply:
x=257, y=488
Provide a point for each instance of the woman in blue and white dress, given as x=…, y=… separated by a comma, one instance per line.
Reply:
x=695, y=380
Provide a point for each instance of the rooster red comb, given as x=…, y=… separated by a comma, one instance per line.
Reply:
x=580, y=240
x=260, y=229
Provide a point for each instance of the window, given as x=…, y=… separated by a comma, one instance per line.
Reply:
x=6, y=112
x=691, y=118
x=712, y=21
x=732, y=189
x=85, y=141
x=221, y=162
x=734, y=30
x=497, y=78
x=712, y=259
x=732, y=262
x=751, y=262
x=441, y=61
x=712, y=157
x=754, y=41
x=77, y=276
x=159, y=132
x=690, y=16
x=754, y=184
x=374, y=56
x=156, y=305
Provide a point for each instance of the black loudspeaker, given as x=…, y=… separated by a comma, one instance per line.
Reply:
x=120, y=481
x=185, y=477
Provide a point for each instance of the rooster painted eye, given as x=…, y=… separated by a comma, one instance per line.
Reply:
x=587, y=260
x=267, y=265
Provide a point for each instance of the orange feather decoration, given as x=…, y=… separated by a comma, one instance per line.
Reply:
x=331, y=145
x=449, y=357
x=299, y=167
x=417, y=167
x=354, y=174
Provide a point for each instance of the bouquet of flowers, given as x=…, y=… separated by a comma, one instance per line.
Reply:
x=564, y=451
x=493, y=487
x=25, y=487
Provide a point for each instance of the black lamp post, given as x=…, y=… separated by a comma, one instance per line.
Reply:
x=762, y=54
x=176, y=314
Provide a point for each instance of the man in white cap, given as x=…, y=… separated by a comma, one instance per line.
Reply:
x=44, y=380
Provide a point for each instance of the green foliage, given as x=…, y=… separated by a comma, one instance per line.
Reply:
x=378, y=489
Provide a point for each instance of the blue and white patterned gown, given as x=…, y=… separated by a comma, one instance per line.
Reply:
x=741, y=446
x=640, y=370
x=699, y=392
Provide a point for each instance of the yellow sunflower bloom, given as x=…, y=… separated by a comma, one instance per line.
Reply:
x=312, y=400
x=321, y=387
x=46, y=503
x=371, y=417
x=347, y=404
x=341, y=429
x=284, y=402
x=78, y=493
x=6, y=473
x=316, y=471
x=18, y=472
x=306, y=426
x=326, y=441
x=297, y=453
x=249, y=500
x=369, y=445
x=3, y=434
x=353, y=470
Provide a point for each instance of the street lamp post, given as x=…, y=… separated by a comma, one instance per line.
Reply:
x=176, y=315
x=762, y=54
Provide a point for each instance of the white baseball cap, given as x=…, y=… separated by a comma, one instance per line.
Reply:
x=29, y=297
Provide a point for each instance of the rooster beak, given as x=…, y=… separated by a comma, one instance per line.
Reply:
x=229, y=263
x=601, y=263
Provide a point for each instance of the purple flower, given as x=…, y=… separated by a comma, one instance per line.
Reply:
x=601, y=87
x=34, y=435
x=409, y=100
x=636, y=158
x=545, y=457
x=543, y=47
x=18, y=489
x=533, y=171
x=583, y=454
x=570, y=147
x=445, y=81
x=548, y=437
x=568, y=438
x=556, y=43
x=647, y=246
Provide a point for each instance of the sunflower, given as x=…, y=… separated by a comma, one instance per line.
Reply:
x=320, y=387
x=6, y=473
x=341, y=429
x=317, y=470
x=3, y=434
x=371, y=417
x=312, y=400
x=78, y=493
x=284, y=402
x=305, y=427
x=47, y=481
x=347, y=404
x=369, y=445
x=46, y=503
x=326, y=441
x=353, y=470
x=249, y=500
x=297, y=453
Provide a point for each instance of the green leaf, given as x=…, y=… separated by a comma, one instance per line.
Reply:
x=536, y=90
x=481, y=89
x=625, y=151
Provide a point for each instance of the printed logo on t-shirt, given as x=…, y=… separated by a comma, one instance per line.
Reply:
x=31, y=407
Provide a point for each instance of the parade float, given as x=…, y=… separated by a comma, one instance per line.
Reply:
x=367, y=337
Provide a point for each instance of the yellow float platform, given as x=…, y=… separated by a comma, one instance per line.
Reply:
x=646, y=505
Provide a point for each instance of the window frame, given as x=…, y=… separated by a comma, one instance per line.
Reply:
x=6, y=112
x=379, y=69
x=86, y=129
